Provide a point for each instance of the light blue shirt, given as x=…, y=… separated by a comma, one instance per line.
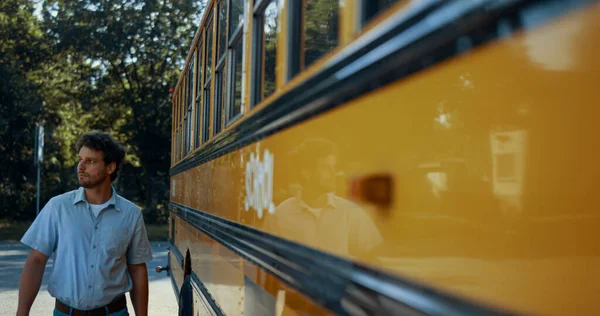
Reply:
x=90, y=254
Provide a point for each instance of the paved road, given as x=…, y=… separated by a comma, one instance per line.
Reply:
x=12, y=258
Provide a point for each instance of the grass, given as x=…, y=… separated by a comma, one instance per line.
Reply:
x=13, y=231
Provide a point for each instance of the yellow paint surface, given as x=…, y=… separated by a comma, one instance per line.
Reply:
x=494, y=159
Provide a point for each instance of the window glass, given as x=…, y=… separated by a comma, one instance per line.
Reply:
x=270, y=32
x=209, y=49
x=206, y=114
x=236, y=15
x=222, y=28
x=200, y=69
x=218, y=107
x=320, y=33
x=236, y=86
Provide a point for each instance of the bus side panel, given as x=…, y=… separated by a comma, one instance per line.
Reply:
x=493, y=158
x=237, y=285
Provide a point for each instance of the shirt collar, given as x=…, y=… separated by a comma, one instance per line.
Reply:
x=330, y=201
x=113, y=201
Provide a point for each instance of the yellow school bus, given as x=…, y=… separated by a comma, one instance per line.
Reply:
x=369, y=157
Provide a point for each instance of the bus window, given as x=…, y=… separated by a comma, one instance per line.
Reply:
x=321, y=24
x=371, y=8
x=209, y=48
x=184, y=115
x=179, y=119
x=235, y=39
x=181, y=111
x=222, y=30
x=208, y=78
x=178, y=123
x=198, y=107
x=236, y=17
x=206, y=114
x=177, y=145
x=318, y=35
x=219, y=100
x=221, y=64
x=235, y=100
x=190, y=103
x=265, y=54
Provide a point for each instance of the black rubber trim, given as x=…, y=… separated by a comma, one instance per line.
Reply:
x=343, y=286
x=196, y=282
x=206, y=296
x=402, y=45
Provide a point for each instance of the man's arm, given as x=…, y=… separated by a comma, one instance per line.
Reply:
x=139, y=290
x=31, y=279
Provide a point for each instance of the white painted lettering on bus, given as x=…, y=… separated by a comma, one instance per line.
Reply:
x=259, y=184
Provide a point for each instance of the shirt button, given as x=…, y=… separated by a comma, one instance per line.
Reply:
x=96, y=227
x=89, y=287
x=94, y=247
x=92, y=265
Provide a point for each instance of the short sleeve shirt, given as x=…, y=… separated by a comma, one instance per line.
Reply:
x=341, y=227
x=90, y=254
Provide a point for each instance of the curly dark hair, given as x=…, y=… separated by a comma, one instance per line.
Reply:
x=113, y=150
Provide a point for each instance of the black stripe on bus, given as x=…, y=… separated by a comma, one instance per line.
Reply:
x=343, y=286
x=433, y=32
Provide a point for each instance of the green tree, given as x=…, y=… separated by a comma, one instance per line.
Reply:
x=118, y=60
x=23, y=49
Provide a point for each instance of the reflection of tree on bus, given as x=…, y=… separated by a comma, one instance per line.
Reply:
x=315, y=215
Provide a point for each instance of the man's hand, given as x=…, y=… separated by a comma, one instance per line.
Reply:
x=139, y=290
x=31, y=279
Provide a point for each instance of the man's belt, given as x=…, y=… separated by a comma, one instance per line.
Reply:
x=113, y=307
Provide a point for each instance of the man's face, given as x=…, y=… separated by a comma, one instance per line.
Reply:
x=323, y=176
x=92, y=171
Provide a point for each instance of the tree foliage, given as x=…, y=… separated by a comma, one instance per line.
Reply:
x=22, y=51
x=82, y=65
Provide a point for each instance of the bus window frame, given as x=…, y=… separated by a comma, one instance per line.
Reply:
x=174, y=123
x=257, y=55
x=183, y=110
x=199, y=91
x=185, y=114
x=220, y=68
x=180, y=123
x=233, y=40
x=189, y=100
x=295, y=10
x=208, y=78
x=296, y=63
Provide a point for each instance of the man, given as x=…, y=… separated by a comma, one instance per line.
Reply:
x=97, y=238
x=314, y=215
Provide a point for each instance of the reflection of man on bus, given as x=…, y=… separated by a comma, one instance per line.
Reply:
x=314, y=215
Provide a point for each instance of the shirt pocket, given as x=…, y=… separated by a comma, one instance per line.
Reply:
x=115, y=241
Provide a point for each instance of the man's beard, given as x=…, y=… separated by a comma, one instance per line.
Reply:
x=87, y=182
